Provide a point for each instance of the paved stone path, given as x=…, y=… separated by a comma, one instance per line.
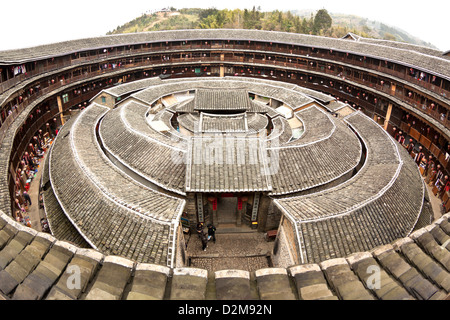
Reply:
x=436, y=203
x=34, y=212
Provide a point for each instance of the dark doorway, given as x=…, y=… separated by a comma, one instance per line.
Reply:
x=227, y=210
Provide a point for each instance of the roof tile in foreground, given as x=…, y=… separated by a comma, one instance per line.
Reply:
x=35, y=265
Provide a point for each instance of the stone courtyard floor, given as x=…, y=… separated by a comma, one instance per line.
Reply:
x=244, y=251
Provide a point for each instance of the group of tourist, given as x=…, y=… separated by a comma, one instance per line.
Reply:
x=434, y=176
x=429, y=167
x=25, y=173
x=204, y=238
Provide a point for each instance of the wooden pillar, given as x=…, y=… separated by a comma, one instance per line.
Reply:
x=239, y=210
x=238, y=217
x=60, y=108
x=222, y=71
x=388, y=116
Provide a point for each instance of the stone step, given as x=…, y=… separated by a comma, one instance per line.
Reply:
x=232, y=228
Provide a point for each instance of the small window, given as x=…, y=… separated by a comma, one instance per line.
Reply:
x=103, y=99
x=65, y=98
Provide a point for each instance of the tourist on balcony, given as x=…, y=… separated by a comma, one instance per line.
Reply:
x=395, y=133
x=439, y=174
x=446, y=187
x=401, y=138
x=410, y=146
x=430, y=164
x=19, y=217
x=441, y=185
x=434, y=175
x=27, y=198
x=18, y=206
x=431, y=176
x=422, y=166
x=420, y=155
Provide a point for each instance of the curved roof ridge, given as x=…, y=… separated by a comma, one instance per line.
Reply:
x=357, y=205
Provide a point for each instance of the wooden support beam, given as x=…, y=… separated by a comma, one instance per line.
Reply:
x=60, y=109
x=388, y=116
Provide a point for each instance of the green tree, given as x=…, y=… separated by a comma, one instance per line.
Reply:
x=322, y=21
x=204, y=13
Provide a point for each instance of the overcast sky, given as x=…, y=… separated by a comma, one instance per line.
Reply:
x=26, y=23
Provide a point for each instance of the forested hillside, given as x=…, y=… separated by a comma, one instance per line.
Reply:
x=316, y=23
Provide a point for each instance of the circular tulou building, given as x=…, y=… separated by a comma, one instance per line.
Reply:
x=317, y=142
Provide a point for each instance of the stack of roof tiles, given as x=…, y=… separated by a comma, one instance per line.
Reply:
x=37, y=266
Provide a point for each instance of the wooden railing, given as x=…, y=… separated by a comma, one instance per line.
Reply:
x=253, y=63
x=246, y=62
x=427, y=144
x=206, y=45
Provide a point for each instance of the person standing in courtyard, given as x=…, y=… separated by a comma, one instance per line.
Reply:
x=204, y=241
x=211, y=232
x=200, y=229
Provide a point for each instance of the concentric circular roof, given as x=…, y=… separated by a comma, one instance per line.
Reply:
x=338, y=179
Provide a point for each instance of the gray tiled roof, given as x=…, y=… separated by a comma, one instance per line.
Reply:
x=129, y=138
x=135, y=220
x=221, y=163
x=317, y=125
x=186, y=107
x=413, y=55
x=33, y=265
x=257, y=122
x=405, y=46
x=234, y=99
x=301, y=166
x=133, y=86
x=287, y=93
x=381, y=203
x=189, y=121
x=316, y=147
x=60, y=225
x=223, y=123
